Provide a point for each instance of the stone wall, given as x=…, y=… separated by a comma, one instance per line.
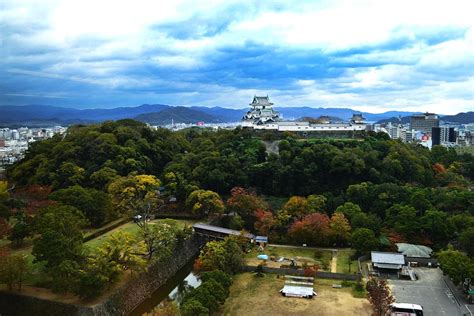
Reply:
x=121, y=302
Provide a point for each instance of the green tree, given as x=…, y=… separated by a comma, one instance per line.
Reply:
x=205, y=203
x=224, y=255
x=159, y=239
x=403, y=218
x=13, y=270
x=21, y=229
x=125, y=250
x=194, y=308
x=466, y=240
x=363, y=240
x=456, y=264
x=437, y=226
x=316, y=203
x=94, y=204
x=349, y=209
x=60, y=229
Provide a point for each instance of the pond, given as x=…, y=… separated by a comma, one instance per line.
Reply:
x=175, y=289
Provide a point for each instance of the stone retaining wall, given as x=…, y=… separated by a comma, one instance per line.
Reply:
x=121, y=302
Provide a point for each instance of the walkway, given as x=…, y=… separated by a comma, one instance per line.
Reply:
x=334, y=262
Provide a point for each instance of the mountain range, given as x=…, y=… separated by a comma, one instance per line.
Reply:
x=160, y=114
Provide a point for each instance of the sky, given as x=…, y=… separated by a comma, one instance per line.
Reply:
x=373, y=56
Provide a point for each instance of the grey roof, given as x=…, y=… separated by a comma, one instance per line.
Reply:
x=261, y=239
x=387, y=257
x=222, y=230
x=261, y=100
x=411, y=250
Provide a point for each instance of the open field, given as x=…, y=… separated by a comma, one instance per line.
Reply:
x=130, y=228
x=301, y=256
x=343, y=259
x=250, y=295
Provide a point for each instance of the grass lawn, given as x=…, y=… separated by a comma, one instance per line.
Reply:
x=299, y=254
x=343, y=259
x=130, y=228
x=250, y=295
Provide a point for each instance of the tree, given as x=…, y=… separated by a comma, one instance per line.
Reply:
x=466, y=239
x=124, y=250
x=60, y=229
x=245, y=203
x=194, y=308
x=205, y=203
x=379, y=296
x=21, y=229
x=456, y=264
x=437, y=226
x=316, y=203
x=349, y=209
x=13, y=270
x=166, y=308
x=265, y=222
x=224, y=255
x=297, y=206
x=340, y=229
x=94, y=204
x=364, y=240
x=312, y=229
x=404, y=220
x=136, y=195
x=160, y=239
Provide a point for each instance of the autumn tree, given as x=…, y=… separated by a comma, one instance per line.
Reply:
x=245, y=203
x=297, y=206
x=340, y=229
x=313, y=229
x=136, y=195
x=379, y=296
x=264, y=222
x=205, y=203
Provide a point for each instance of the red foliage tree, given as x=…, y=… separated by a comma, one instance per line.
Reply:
x=265, y=221
x=245, y=202
x=379, y=296
x=312, y=229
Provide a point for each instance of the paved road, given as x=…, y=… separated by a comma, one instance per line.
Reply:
x=429, y=290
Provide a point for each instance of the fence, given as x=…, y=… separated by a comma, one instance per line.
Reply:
x=320, y=274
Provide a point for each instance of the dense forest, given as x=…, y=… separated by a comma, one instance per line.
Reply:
x=368, y=193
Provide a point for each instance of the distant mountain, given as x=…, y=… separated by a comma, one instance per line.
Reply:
x=225, y=114
x=394, y=120
x=178, y=114
x=460, y=118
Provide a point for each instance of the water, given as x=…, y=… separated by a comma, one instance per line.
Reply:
x=175, y=289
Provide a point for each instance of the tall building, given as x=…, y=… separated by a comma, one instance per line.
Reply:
x=442, y=135
x=424, y=122
x=261, y=111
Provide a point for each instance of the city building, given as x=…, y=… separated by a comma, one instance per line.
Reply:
x=424, y=122
x=443, y=135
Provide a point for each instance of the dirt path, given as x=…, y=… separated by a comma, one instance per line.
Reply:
x=334, y=262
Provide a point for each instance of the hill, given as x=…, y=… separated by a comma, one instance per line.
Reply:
x=460, y=118
x=178, y=114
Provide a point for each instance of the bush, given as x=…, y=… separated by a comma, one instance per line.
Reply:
x=346, y=283
x=318, y=254
x=194, y=308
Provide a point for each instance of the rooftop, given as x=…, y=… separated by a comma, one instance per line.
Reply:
x=221, y=230
x=388, y=258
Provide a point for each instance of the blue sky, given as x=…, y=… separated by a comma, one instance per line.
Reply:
x=368, y=55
